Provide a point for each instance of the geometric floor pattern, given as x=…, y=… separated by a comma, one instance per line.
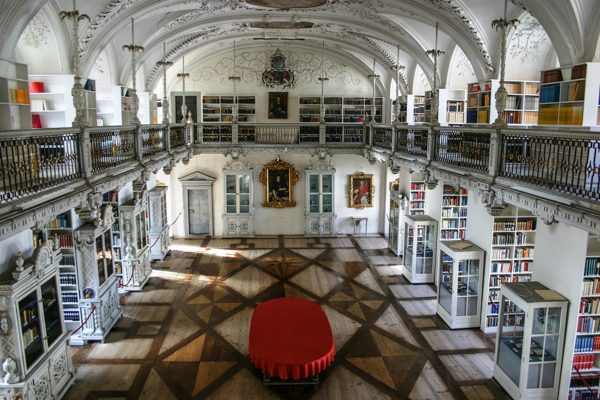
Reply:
x=185, y=336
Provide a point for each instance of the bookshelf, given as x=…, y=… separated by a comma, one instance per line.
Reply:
x=220, y=108
x=511, y=257
x=342, y=110
x=480, y=102
x=570, y=95
x=413, y=109
x=112, y=198
x=452, y=105
x=416, y=205
x=14, y=96
x=147, y=112
x=453, y=223
x=113, y=106
x=52, y=102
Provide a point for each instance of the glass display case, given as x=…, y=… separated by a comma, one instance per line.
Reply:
x=34, y=339
x=238, y=216
x=420, y=236
x=159, y=227
x=396, y=222
x=460, y=277
x=320, y=199
x=530, y=340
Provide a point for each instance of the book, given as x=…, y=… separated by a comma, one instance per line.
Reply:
x=36, y=87
x=35, y=121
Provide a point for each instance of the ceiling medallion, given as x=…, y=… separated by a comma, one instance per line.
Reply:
x=277, y=77
x=287, y=3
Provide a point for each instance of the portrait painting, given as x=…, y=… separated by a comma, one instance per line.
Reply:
x=361, y=191
x=88, y=293
x=278, y=105
x=278, y=178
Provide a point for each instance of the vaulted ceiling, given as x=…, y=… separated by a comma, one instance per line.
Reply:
x=358, y=30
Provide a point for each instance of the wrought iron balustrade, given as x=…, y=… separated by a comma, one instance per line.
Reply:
x=153, y=139
x=567, y=162
x=412, y=140
x=467, y=148
x=213, y=133
x=111, y=147
x=177, y=134
x=32, y=160
x=382, y=137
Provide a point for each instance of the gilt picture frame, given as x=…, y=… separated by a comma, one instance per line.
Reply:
x=361, y=190
x=279, y=178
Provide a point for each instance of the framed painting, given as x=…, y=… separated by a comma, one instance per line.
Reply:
x=278, y=105
x=279, y=178
x=361, y=191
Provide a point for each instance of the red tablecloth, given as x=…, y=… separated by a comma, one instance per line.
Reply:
x=290, y=338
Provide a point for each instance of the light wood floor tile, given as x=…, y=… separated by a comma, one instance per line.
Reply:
x=391, y=322
x=181, y=328
x=264, y=243
x=152, y=295
x=236, y=330
x=316, y=280
x=345, y=255
x=367, y=279
x=412, y=291
x=117, y=348
x=342, y=327
x=386, y=261
x=343, y=384
x=370, y=243
x=114, y=377
x=208, y=371
x=156, y=389
x=250, y=281
x=197, y=283
x=311, y=254
x=453, y=340
x=477, y=393
x=338, y=242
x=243, y=385
x=148, y=330
x=430, y=386
x=470, y=367
x=423, y=323
x=252, y=254
x=420, y=307
x=295, y=243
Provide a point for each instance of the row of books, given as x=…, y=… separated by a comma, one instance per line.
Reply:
x=578, y=72
x=590, y=287
x=454, y=201
x=417, y=195
x=582, y=362
x=62, y=221
x=476, y=87
x=69, y=297
x=552, y=76
x=451, y=235
x=362, y=102
x=574, y=91
x=18, y=96
x=333, y=111
x=417, y=186
x=496, y=281
x=524, y=252
x=530, y=118
x=592, y=266
x=40, y=105
x=508, y=267
x=28, y=315
x=550, y=94
x=589, y=306
x=451, y=191
x=528, y=225
x=478, y=117
x=417, y=204
x=65, y=240
x=514, y=102
x=562, y=115
x=585, y=344
x=455, y=117
x=71, y=315
x=116, y=241
x=110, y=197
x=229, y=100
x=502, y=239
x=588, y=324
x=68, y=279
x=30, y=335
x=453, y=224
x=67, y=260
x=456, y=106
x=453, y=213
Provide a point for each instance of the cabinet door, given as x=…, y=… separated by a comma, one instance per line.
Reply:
x=232, y=226
x=51, y=308
x=327, y=226
x=30, y=323
x=314, y=226
x=231, y=193
x=245, y=226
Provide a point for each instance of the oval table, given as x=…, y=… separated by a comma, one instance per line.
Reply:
x=290, y=338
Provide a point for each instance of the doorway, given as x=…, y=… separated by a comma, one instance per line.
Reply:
x=199, y=211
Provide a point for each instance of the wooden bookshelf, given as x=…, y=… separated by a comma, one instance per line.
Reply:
x=570, y=95
x=453, y=224
x=220, y=108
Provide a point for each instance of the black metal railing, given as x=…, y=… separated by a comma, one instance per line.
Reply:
x=153, y=139
x=111, y=147
x=382, y=137
x=177, y=135
x=216, y=134
x=565, y=162
x=464, y=148
x=33, y=161
x=412, y=140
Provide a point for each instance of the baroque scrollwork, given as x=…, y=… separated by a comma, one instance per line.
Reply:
x=35, y=34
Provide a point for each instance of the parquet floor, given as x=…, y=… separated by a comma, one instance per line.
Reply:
x=186, y=335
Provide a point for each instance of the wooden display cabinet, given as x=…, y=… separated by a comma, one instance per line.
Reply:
x=530, y=339
x=135, y=250
x=159, y=227
x=460, y=277
x=98, y=282
x=36, y=358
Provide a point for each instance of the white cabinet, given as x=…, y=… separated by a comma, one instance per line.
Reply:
x=420, y=237
x=461, y=274
x=37, y=362
x=159, y=227
x=529, y=343
x=396, y=222
x=320, y=210
x=135, y=246
x=238, y=216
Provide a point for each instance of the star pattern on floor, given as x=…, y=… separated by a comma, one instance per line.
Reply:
x=185, y=336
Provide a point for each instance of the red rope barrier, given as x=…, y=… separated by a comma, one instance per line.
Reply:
x=84, y=322
x=169, y=227
x=129, y=281
x=585, y=383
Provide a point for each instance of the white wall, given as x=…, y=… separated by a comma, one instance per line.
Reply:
x=21, y=242
x=287, y=221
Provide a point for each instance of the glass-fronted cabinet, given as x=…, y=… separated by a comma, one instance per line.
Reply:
x=460, y=277
x=159, y=227
x=238, y=216
x=320, y=199
x=396, y=222
x=98, y=290
x=530, y=340
x=420, y=236
x=34, y=338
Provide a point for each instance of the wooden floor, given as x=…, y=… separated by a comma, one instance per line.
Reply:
x=186, y=335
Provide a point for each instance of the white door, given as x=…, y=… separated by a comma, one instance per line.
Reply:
x=199, y=203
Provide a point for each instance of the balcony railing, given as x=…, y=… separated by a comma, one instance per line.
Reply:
x=412, y=140
x=383, y=137
x=466, y=148
x=111, y=147
x=153, y=139
x=177, y=135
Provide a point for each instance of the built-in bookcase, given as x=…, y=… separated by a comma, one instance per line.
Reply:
x=416, y=205
x=453, y=224
x=570, y=95
x=112, y=198
x=342, y=110
x=220, y=108
x=14, y=96
x=452, y=105
x=413, y=109
x=113, y=106
x=511, y=258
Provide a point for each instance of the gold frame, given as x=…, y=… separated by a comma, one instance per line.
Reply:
x=351, y=190
x=278, y=165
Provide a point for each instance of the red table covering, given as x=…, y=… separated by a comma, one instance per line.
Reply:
x=290, y=338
